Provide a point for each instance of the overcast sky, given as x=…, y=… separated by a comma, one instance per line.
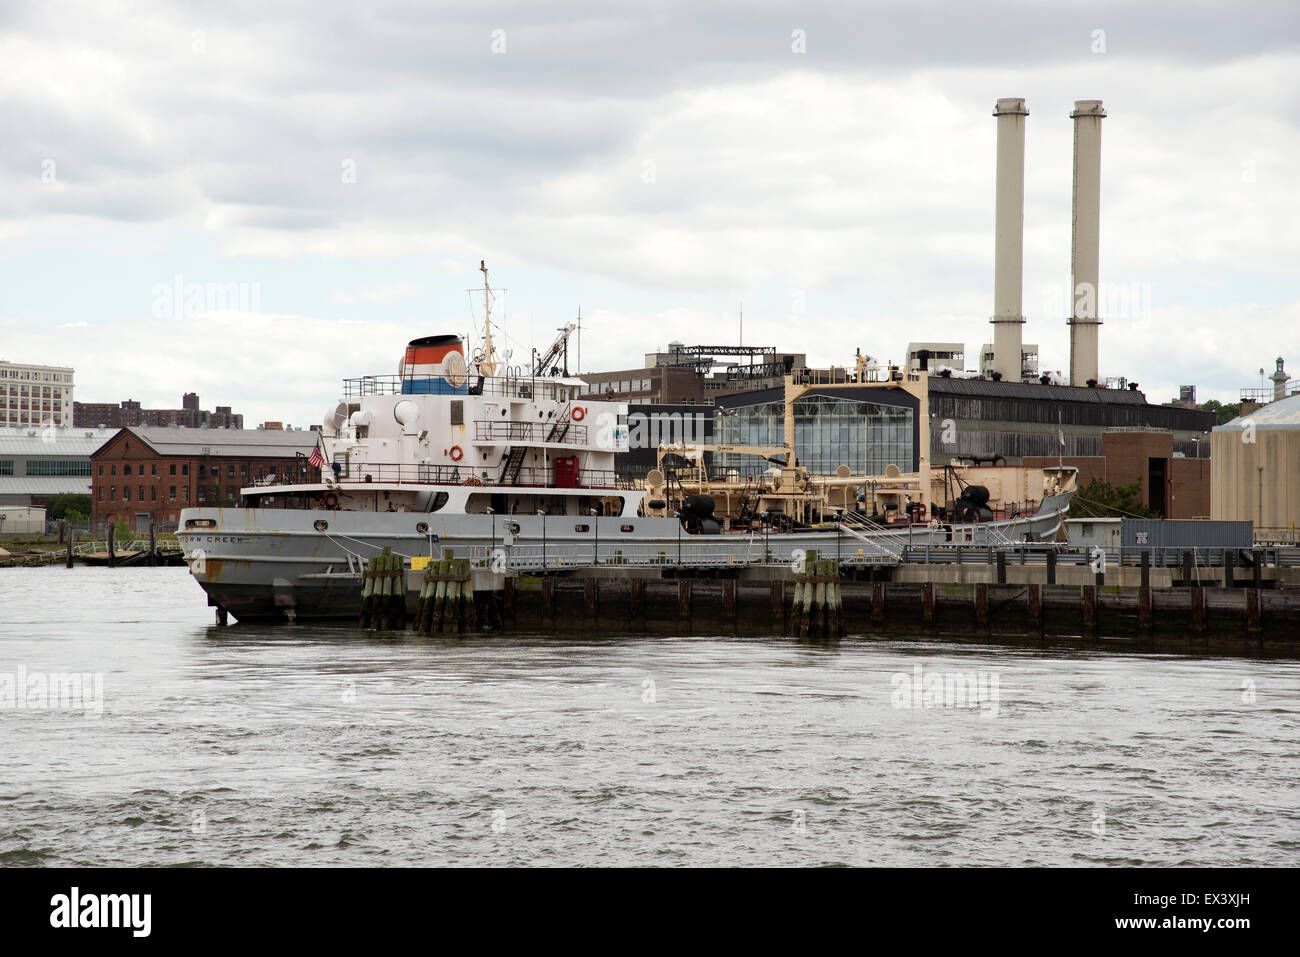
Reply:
x=828, y=165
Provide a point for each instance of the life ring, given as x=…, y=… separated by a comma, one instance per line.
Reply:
x=578, y=413
x=472, y=480
x=330, y=500
x=457, y=453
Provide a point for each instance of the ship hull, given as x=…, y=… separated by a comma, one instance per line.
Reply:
x=304, y=565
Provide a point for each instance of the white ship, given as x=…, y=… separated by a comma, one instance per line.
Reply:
x=514, y=468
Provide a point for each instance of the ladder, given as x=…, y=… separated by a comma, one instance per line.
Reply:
x=514, y=464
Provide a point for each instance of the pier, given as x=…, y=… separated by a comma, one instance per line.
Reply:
x=1244, y=602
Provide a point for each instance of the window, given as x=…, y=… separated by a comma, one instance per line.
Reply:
x=126, y=493
x=99, y=494
x=173, y=467
x=112, y=493
x=153, y=493
x=171, y=494
x=126, y=470
x=185, y=494
x=7, y=466
x=230, y=471
x=141, y=493
x=153, y=468
x=112, y=469
x=185, y=468
x=101, y=468
x=203, y=470
x=58, y=467
x=582, y=528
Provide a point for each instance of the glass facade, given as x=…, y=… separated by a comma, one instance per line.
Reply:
x=828, y=432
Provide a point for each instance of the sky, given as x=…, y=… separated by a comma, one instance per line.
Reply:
x=321, y=180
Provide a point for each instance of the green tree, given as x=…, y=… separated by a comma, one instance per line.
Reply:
x=1099, y=499
x=1225, y=413
x=59, y=506
x=122, y=531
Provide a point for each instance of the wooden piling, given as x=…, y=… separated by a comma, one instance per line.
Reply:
x=1144, y=608
x=592, y=601
x=729, y=601
x=927, y=604
x=637, y=602
x=1091, y=625
x=684, y=602
x=1196, y=601
x=1034, y=606
x=1002, y=568
x=778, y=607
x=1146, y=569
x=982, y=605
x=153, y=544
x=1229, y=568
x=878, y=602
x=1051, y=567
x=548, y=601
x=1253, y=618
x=72, y=537
x=112, y=545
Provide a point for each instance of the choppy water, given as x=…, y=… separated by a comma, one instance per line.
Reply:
x=314, y=746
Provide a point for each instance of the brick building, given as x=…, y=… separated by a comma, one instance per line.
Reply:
x=128, y=414
x=1172, y=487
x=146, y=474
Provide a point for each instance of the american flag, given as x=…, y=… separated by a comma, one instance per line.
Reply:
x=317, y=458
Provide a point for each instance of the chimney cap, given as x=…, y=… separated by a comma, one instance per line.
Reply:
x=1087, y=108
x=1010, y=105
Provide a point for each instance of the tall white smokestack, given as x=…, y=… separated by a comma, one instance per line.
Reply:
x=1085, y=240
x=1009, y=228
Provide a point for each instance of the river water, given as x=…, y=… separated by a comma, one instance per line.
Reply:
x=192, y=744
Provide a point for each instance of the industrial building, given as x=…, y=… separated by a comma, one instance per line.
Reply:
x=35, y=395
x=1255, y=468
x=142, y=475
x=37, y=464
x=695, y=375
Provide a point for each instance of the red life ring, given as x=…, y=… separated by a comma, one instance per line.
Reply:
x=457, y=453
x=578, y=414
x=330, y=500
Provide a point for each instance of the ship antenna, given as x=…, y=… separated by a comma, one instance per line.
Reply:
x=488, y=364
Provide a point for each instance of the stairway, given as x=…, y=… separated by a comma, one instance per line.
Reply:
x=514, y=464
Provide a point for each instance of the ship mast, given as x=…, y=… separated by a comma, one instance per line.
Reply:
x=488, y=364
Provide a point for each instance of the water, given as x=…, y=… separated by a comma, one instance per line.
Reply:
x=321, y=746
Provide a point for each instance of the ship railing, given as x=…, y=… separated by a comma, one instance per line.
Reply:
x=732, y=551
x=419, y=474
x=514, y=386
x=539, y=432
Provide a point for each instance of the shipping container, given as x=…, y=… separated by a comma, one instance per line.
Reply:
x=1137, y=534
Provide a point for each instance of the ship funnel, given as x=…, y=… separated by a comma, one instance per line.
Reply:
x=434, y=365
x=1009, y=226
x=1085, y=242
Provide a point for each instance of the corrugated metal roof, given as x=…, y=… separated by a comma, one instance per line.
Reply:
x=1033, y=390
x=1282, y=414
x=58, y=442
x=249, y=443
x=48, y=485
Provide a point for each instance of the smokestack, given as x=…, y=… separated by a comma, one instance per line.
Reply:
x=1009, y=227
x=1085, y=241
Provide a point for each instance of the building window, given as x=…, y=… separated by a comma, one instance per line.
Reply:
x=185, y=494
x=185, y=468
x=112, y=469
x=7, y=466
x=173, y=468
x=171, y=494
x=153, y=468
x=126, y=470
x=101, y=468
x=58, y=467
x=153, y=493
x=112, y=493
x=126, y=493
x=99, y=493
x=141, y=499
x=230, y=471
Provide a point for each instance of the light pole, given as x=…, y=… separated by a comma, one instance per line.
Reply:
x=542, y=512
x=595, y=521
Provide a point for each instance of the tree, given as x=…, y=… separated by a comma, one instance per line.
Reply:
x=1225, y=413
x=1099, y=499
x=59, y=506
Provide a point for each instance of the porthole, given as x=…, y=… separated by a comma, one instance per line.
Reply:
x=626, y=528
x=320, y=524
x=422, y=528
x=582, y=528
